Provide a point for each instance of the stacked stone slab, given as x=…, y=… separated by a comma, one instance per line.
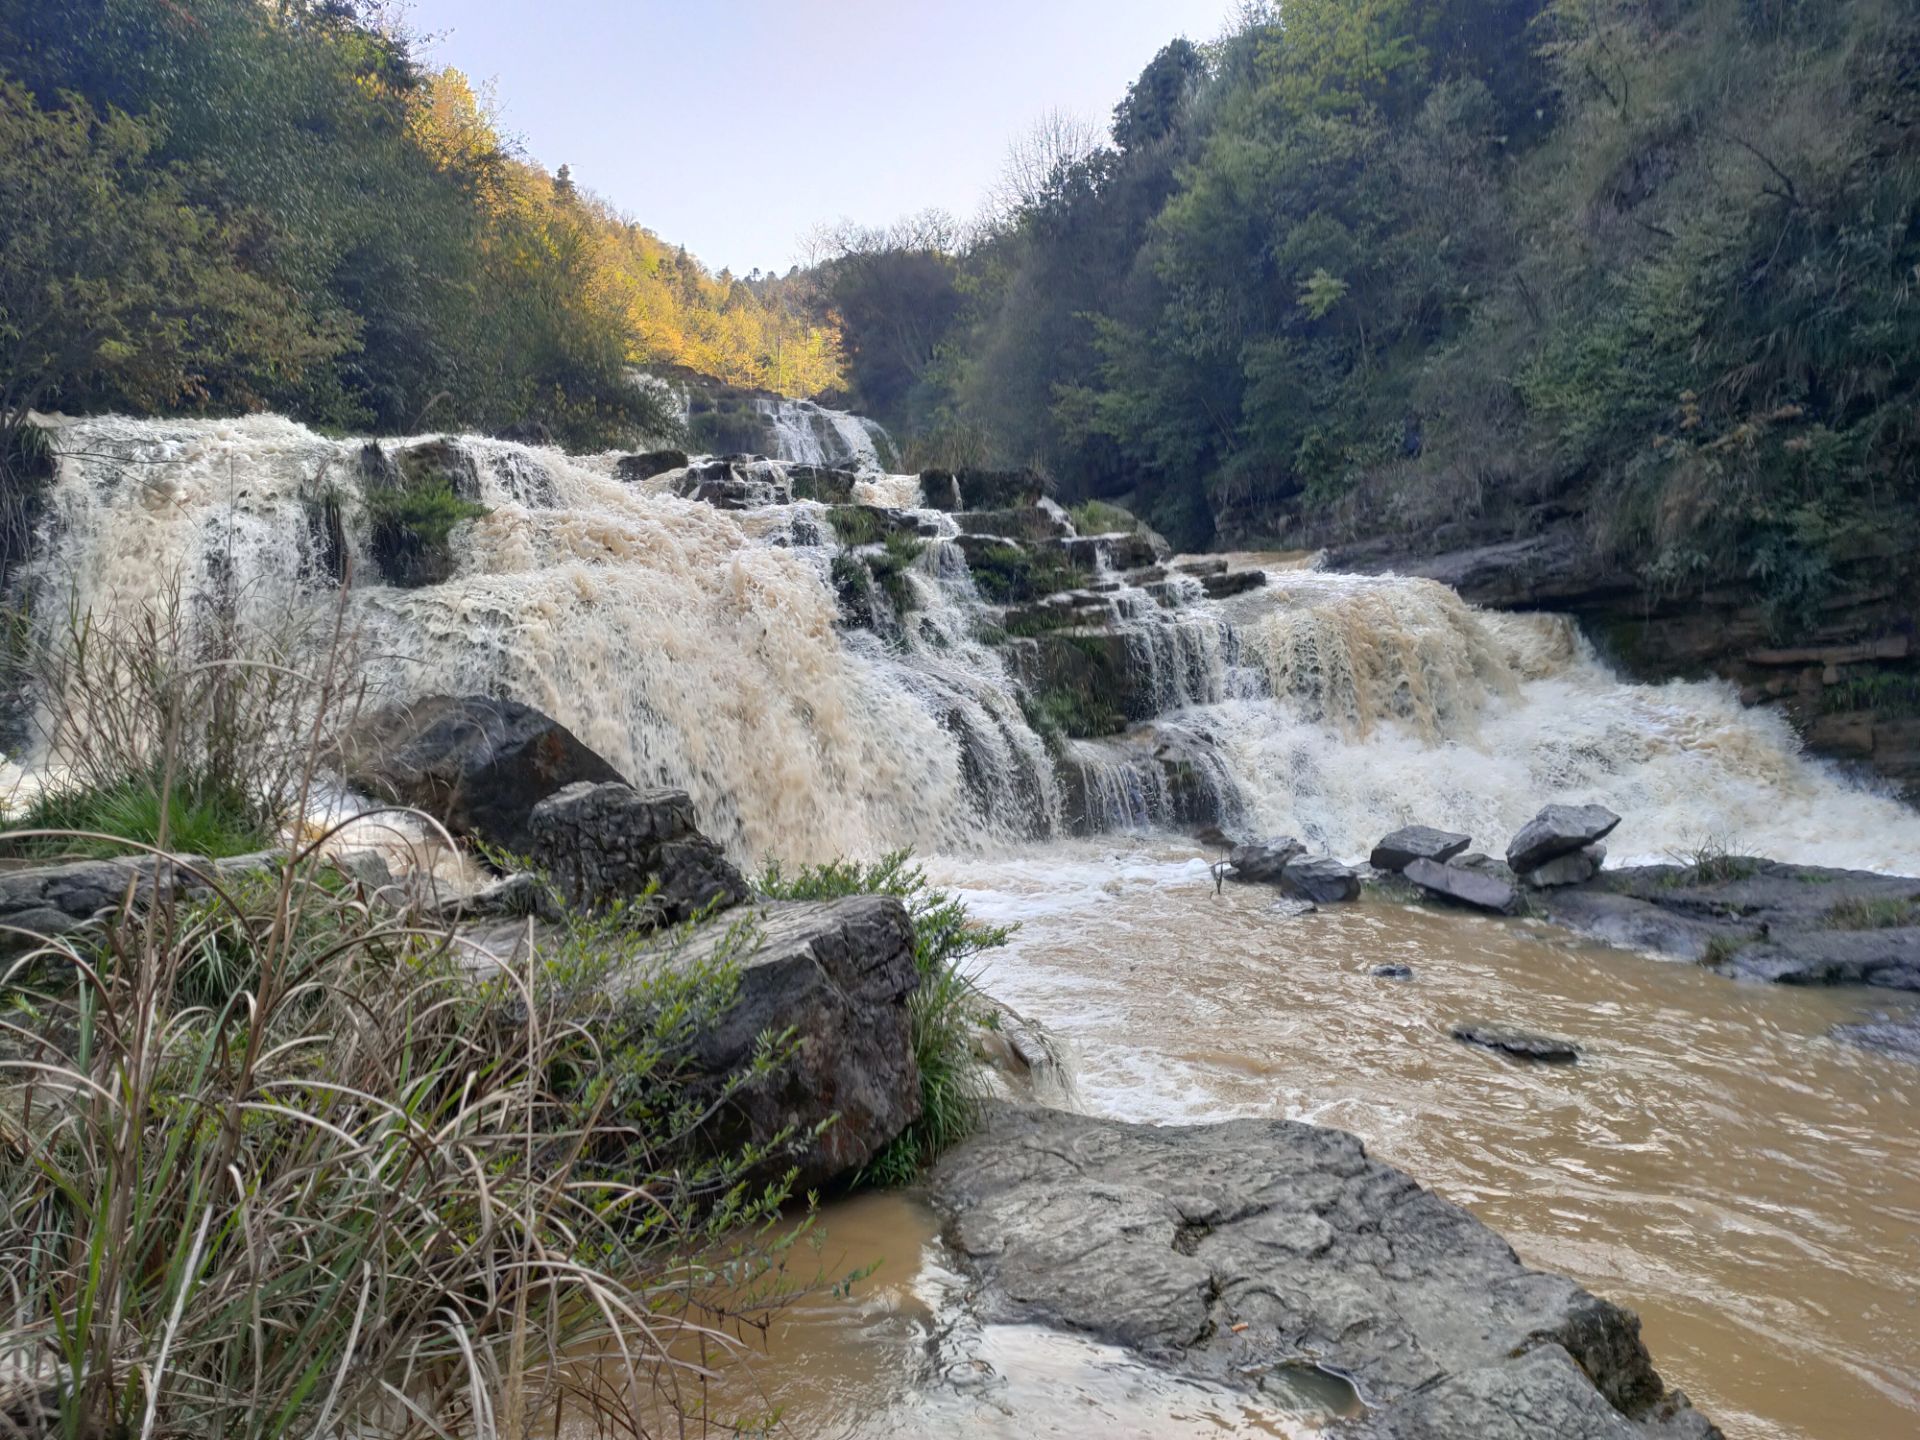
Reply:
x=1560, y=845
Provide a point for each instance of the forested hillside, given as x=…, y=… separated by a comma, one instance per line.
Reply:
x=226, y=205
x=1404, y=266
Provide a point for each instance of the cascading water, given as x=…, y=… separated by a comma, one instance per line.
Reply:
x=809, y=434
x=705, y=649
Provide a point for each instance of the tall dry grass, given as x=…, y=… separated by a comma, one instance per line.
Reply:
x=281, y=1157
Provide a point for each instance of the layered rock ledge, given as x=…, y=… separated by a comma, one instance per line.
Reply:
x=1245, y=1251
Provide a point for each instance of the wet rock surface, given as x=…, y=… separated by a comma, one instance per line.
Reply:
x=1265, y=862
x=42, y=902
x=1464, y=885
x=1558, y=830
x=600, y=844
x=1897, y=1035
x=1323, y=881
x=1417, y=842
x=1244, y=1251
x=1521, y=1044
x=837, y=973
x=1756, y=919
x=476, y=764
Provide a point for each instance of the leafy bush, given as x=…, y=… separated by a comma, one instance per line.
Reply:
x=945, y=1010
x=1099, y=517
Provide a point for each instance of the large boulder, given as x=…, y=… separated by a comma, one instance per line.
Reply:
x=1417, y=842
x=839, y=974
x=600, y=844
x=1265, y=862
x=476, y=764
x=835, y=974
x=1322, y=880
x=648, y=463
x=1245, y=1252
x=1559, y=830
x=1466, y=885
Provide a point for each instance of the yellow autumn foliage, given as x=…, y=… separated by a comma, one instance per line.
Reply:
x=673, y=310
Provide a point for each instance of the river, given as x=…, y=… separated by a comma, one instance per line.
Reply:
x=1749, y=1186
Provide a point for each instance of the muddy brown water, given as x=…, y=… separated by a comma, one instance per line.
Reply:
x=1749, y=1186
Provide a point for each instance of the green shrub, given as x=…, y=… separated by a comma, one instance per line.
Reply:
x=946, y=1009
x=1100, y=517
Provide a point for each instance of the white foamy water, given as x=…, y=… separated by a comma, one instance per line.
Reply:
x=702, y=648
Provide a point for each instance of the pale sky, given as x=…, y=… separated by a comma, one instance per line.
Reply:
x=734, y=127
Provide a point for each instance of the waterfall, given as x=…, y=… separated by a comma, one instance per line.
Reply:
x=808, y=434
x=712, y=649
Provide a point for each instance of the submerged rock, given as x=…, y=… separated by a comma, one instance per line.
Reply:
x=1890, y=1035
x=1417, y=842
x=476, y=764
x=1481, y=890
x=1238, y=1252
x=600, y=844
x=1573, y=869
x=1521, y=1044
x=1321, y=880
x=1264, y=863
x=1559, y=830
x=1393, y=972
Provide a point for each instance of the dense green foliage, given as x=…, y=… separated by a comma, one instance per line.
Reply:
x=946, y=1010
x=222, y=205
x=1386, y=265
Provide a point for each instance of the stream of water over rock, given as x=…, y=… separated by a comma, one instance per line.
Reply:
x=1751, y=1187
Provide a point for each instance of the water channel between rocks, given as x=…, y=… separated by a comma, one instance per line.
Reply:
x=1749, y=1186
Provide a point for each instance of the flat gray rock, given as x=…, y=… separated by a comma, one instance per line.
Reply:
x=1756, y=919
x=1559, y=830
x=1417, y=842
x=1521, y=1044
x=1242, y=1251
x=1263, y=863
x=1320, y=880
x=1478, y=888
x=1575, y=868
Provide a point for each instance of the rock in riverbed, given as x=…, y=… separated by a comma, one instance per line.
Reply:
x=1574, y=868
x=1239, y=1252
x=1478, y=888
x=1323, y=881
x=1756, y=919
x=604, y=843
x=1559, y=830
x=1897, y=1035
x=1521, y=1044
x=1264, y=863
x=476, y=764
x=839, y=973
x=1417, y=842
